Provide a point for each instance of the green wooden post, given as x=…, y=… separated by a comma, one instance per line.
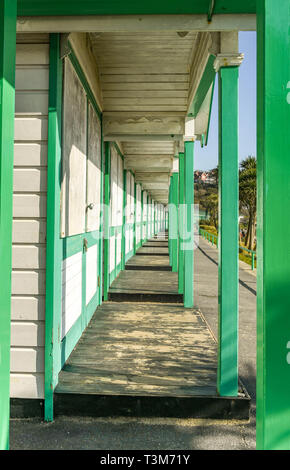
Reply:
x=107, y=220
x=8, y=9
x=135, y=215
x=180, y=225
x=141, y=230
x=169, y=222
x=154, y=223
x=54, y=243
x=273, y=255
x=124, y=219
x=147, y=218
x=227, y=380
x=188, y=222
x=174, y=226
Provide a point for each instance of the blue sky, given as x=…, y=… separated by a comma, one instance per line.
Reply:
x=207, y=158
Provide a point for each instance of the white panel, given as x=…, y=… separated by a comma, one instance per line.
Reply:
x=71, y=291
x=28, y=282
x=132, y=199
x=29, y=180
x=30, y=102
x=119, y=248
x=120, y=195
x=128, y=198
x=93, y=170
x=29, y=205
x=112, y=253
x=27, y=385
x=29, y=224
x=114, y=186
x=138, y=203
x=145, y=210
x=127, y=241
x=28, y=257
x=27, y=360
x=30, y=154
x=91, y=272
x=29, y=231
x=27, y=333
x=32, y=78
x=74, y=154
x=30, y=128
x=32, y=54
x=28, y=308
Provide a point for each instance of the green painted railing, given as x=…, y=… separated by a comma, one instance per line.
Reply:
x=213, y=239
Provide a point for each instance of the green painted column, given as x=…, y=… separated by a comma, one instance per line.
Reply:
x=8, y=9
x=273, y=257
x=107, y=220
x=227, y=381
x=147, y=218
x=124, y=219
x=188, y=223
x=181, y=225
x=53, y=295
x=135, y=216
x=169, y=222
x=174, y=222
x=141, y=234
x=154, y=212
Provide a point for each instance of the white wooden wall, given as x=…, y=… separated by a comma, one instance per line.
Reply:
x=74, y=159
x=93, y=170
x=128, y=210
x=138, y=213
x=120, y=197
x=29, y=217
x=116, y=203
x=71, y=292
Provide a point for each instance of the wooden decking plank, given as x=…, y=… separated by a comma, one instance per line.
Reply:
x=146, y=350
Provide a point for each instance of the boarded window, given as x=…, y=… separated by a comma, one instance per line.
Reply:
x=74, y=160
x=93, y=171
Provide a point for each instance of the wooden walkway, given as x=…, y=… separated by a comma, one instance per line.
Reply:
x=142, y=357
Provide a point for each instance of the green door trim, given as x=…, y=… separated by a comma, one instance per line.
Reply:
x=107, y=219
x=54, y=242
x=8, y=14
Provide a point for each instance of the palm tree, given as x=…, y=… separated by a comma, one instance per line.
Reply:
x=248, y=196
x=211, y=206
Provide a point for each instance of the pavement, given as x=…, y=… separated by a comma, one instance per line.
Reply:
x=67, y=433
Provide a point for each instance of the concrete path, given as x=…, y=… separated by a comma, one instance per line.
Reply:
x=164, y=434
x=206, y=299
x=205, y=291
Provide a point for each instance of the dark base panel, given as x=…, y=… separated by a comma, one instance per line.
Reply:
x=128, y=297
x=26, y=408
x=157, y=407
x=131, y=267
x=151, y=254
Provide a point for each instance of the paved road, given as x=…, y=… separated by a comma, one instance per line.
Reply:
x=151, y=434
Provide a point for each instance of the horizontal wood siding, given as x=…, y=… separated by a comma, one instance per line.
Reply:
x=29, y=218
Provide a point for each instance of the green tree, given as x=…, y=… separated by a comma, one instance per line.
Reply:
x=211, y=205
x=248, y=196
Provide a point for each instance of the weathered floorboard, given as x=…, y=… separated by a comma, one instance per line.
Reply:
x=142, y=349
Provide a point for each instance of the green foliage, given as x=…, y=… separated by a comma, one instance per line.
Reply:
x=248, y=196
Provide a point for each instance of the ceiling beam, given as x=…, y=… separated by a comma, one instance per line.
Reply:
x=135, y=23
x=148, y=163
x=142, y=137
x=152, y=186
x=118, y=124
x=149, y=177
